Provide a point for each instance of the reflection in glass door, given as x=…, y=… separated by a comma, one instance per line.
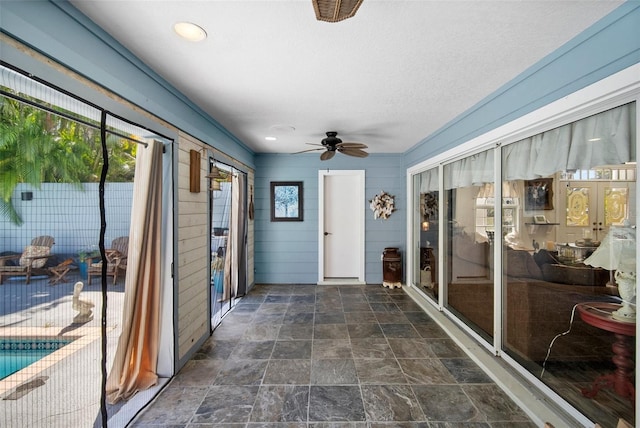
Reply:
x=220, y=197
x=228, y=238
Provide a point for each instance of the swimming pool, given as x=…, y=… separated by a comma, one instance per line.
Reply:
x=16, y=354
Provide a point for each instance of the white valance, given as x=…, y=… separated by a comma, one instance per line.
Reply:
x=429, y=181
x=473, y=170
x=607, y=138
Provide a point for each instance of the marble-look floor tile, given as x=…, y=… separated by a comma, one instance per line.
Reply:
x=445, y=348
x=241, y=372
x=384, y=307
x=253, y=350
x=303, y=299
x=292, y=349
x=215, y=349
x=426, y=371
x=331, y=348
x=430, y=330
x=361, y=317
x=336, y=403
x=224, y=404
x=298, y=318
x=262, y=318
x=446, y=403
x=266, y=425
x=418, y=317
x=283, y=372
x=494, y=403
x=355, y=307
x=465, y=371
x=261, y=332
x=295, y=332
x=391, y=403
x=175, y=406
x=306, y=356
x=333, y=372
x=301, y=308
x=198, y=372
x=277, y=298
x=399, y=330
x=338, y=425
x=272, y=308
x=330, y=331
x=329, y=318
x=364, y=331
x=281, y=403
x=401, y=425
x=391, y=318
x=371, y=348
x=379, y=371
x=411, y=348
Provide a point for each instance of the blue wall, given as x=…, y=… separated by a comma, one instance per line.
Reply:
x=610, y=45
x=287, y=252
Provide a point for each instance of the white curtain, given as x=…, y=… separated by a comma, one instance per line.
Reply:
x=473, y=170
x=607, y=138
x=232, y=253
x=135, y=363
x=429, y=181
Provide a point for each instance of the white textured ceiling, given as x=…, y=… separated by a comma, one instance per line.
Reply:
x=388, y=77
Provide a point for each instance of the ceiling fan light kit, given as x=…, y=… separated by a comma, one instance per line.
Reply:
x=335, y=10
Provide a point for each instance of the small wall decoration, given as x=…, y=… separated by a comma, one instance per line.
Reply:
x=538, y=194
x=286, y=201
x=382, y=205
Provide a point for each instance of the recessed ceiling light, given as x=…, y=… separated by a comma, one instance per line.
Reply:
x=270, y=138
x=190, y=31
x=594, y=139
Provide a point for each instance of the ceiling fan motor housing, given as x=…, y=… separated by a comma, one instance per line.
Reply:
x=331, y=140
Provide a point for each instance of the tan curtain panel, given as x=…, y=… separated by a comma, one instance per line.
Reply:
x=134, y=366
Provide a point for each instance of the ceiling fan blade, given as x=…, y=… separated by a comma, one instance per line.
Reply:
x=354, y=152
x=309, y=150
x=352, y=145
x=327, y=155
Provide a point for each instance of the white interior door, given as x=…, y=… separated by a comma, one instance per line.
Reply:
x=341, y=226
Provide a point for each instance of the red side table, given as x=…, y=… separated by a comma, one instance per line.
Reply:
x=598, y=314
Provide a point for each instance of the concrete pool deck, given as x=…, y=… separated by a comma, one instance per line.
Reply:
x=62, y=389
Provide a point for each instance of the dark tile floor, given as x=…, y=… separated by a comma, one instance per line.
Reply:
x=330, y=356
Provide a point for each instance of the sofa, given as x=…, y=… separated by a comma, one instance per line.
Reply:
x=541, y=294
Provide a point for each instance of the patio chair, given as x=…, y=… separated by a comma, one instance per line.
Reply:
x=30, y=262
x=121, y=245
x=114, y=258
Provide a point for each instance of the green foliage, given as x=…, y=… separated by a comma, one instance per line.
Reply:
x=37, y=147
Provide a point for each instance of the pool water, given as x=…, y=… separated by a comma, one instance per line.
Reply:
x=16, y=354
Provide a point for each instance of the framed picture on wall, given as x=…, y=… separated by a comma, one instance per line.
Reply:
x=538, y=194
x=286, y=201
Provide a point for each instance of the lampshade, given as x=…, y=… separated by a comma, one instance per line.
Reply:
x=335, y=10
x=617, y=250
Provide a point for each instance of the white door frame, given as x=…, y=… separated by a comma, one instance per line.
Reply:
x=360, y=224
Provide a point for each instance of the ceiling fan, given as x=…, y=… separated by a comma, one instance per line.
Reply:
x=332, y=144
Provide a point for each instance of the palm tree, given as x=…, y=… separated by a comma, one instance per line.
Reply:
x=38, y=146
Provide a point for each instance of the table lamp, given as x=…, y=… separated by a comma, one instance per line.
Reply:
x=618, y=252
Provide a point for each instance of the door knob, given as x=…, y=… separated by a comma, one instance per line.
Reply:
x=326, y=233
